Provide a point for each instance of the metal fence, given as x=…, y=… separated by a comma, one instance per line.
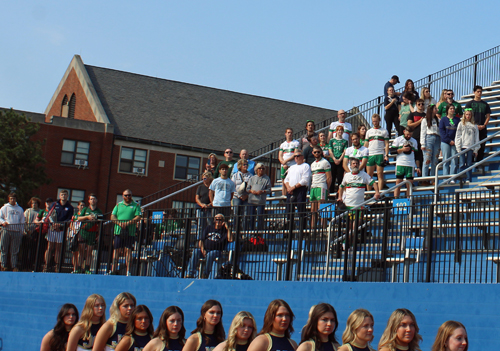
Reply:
x=454, y=240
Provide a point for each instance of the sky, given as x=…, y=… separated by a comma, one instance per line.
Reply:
x=331, y=54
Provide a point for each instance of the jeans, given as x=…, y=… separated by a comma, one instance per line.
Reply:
x=466, y=161
x=204, y=219
x=449, y=151
x=11, y=240
x=243, y=212
x=260, y=216
x=195, y=259
x=431, y=153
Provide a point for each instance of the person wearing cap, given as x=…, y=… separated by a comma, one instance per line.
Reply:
x=210, y=246
x=391, y=83
x=259, y=186
x=221, y=191
x=12, y=222
x=251, y=164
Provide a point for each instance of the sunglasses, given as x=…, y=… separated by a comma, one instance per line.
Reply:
x=219, y=219
x=297, y=156
x=204, y=178
x=316, y=152
x=420, y=104
x=245, y=164
x=228, y=152
x=467, y=109
x=127, y=195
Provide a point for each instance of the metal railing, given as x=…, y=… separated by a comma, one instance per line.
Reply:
x=453, y=240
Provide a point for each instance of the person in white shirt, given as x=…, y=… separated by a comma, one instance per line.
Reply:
x=378, y=147
x=286, y=154
x=12, y=222
x=356, y=151
x=341, y=122
x=405, y=147
x=467, y=135
x=296, y=182
x=430, y=139
x=321, y=181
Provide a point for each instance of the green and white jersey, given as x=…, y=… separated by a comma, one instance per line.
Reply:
x=318, y=170
x=376, y=140
x=355, y=186
x=403, y=159
x=347, y=129
x=288, y=149
x=124, y=212
x=337, y=146
x=360, y=153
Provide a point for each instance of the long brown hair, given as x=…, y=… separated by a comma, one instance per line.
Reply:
x=429, y=115
x=131, y=321
x=219, y=332
x=162, y=330
x=310, y=330
x=271, y=311
x=60, y=334
x=444, y=333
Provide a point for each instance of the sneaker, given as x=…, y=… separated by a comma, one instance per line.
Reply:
x=467, y=181
x=128, y=274
x=452, y=182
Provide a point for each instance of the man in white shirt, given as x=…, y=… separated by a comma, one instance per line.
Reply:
x=320, y=185
x=356, y=151
x=405, y=147
x=12, y=221
x=296, y=182
x=341, y=122
x=286, y=154
x=378, y=147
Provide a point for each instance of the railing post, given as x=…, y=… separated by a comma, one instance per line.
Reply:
x=291, y=212
x=99, y=249
x=385, y=233
x=38, y=247
x=139, y=246
x=302, y=222
x=458, y=249
x=236, y=238
x=63, y=249
x=430, y=230
x=354, y=244
x=475, y=70
x=378, y=106
x=187, y=233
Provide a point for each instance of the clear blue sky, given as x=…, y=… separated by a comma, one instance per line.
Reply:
x=333, y=54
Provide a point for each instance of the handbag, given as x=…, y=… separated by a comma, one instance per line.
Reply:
x=242, y=188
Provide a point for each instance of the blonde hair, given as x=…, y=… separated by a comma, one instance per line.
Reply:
x=442, y=98
x=389, y=337
x=471, y=117
x=88, y=313
x=422, y=96
x=233, y=330
x=114, y=310
x=240, y=163
x=444, y=333
x=354, y=321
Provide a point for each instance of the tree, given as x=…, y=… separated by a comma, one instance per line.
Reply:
x=21, y=158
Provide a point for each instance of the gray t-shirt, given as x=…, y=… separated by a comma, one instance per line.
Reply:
x=259, y=183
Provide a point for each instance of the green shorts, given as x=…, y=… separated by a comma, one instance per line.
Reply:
x=87, y=238
x=375, y=160
x=318, y=194
x=352, y=214
x=283, y=173
x=404, y=172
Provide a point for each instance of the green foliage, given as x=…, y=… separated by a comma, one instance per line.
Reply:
x=21, y=158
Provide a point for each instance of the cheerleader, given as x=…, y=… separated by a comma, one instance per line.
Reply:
x=209, y=330
x=57, y=338
x=83, y=334
x=319, y=332
x=241, y=333
x=401, y=333
x=451, y=336
x=169, y=336
x=139, y=330
x=358, y=332
x=115, y=327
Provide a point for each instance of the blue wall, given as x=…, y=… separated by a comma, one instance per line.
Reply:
x=29, y=302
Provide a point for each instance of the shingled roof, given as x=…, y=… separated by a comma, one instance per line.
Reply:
x=186, y=114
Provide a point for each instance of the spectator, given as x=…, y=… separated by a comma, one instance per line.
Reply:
x=467, y=135
x=405, y=147
x=286, y=155
x=362, y=133
x=229, y=162
x=259, y=186
x=323, y=144
x=304, y=140
x=482, y=113
x=240, y=180
x=447, y=130
x=354, y=185
x=341, y=122
x=307, y=151
x=204, y=210
x=297, y=180
x=405, y=108
x=12, y=222
x=88, y=232
x=410, y=88
x=390, y=84
x=321, y=180
x=27, y=252
x=415, y=120
x=358, y=151
x=126, y=214
x=64, y=211
x=391, y=106
x=74, y=228
x=251, y=164
x=47, y=217
x=210, y=246
x=211, y=165
x=425, y=95
x=338, y=146
x=430, y=139
x=221, y=191
x=449, y=100
x=378, y=149
x=442, y=98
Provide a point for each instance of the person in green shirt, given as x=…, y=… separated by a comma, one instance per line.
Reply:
x=88, y=232
x=125, y=214
x=337, y=147
x=228, y=154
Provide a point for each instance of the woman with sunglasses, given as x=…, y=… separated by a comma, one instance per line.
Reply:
x=425, y=95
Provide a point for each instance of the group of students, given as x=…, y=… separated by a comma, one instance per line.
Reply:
x=130, y=327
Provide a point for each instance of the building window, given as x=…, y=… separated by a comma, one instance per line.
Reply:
x=187, y=167
x=75, y=153
x=72, y=104
x=119, y=198
x=74, y=196
x=133, y=160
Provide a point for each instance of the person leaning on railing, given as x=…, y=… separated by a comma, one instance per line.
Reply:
x=12, y=222
x=204, y=210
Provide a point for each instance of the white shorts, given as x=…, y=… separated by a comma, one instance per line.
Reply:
x=55, y=237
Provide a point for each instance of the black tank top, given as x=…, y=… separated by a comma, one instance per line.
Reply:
x=207, y=346
x=242, y=347
x=279, y=343
x=139, y=341
x=327, y=346
x=174, y=345
x=355, y=348
x=88, y=344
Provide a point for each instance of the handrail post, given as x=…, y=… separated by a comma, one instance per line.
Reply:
x=291, y=210
x=302, y=222
x=38, y=247
x=429, y=239
x=458, y=250
x=99, y=249
x=139, y=245
x=187, y=233
x=62, y=252
x=475, y=70
x=354, y=244
x=236, y=238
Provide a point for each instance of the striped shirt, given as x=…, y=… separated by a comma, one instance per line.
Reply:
x=376, y=140
x=318, y=170
x=355, y=186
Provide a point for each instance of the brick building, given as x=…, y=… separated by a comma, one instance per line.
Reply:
x=109, y=130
